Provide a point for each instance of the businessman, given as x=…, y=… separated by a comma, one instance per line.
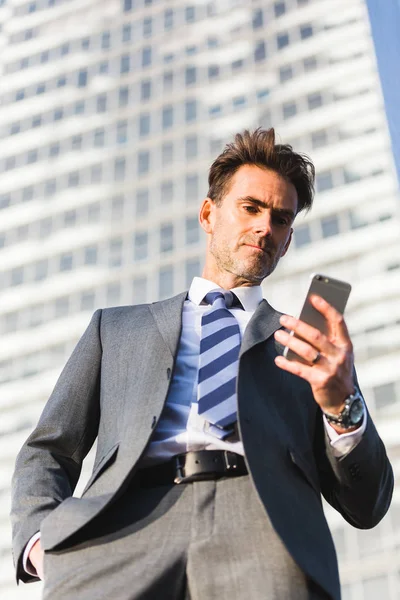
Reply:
x=212, y=448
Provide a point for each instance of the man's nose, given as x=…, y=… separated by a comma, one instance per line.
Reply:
x=263, y=225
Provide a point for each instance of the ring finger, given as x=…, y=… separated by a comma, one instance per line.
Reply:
x=302, y=348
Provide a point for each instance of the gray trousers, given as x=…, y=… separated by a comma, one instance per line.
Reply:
x=201, y=541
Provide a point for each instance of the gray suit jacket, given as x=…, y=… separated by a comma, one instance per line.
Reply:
x=114, y=387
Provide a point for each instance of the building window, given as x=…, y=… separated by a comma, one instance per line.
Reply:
x=17, y=276
x=168, y=81
x=79, y=108
x=239, y=102
x=115, y=253
x=190, y=14
x=302, y=235
x=45, y=227
x=190, y=75
x=139, y=290
x=191, y=146
x=314, y=101
x=147, y=27
x=167, y=117
x=143, y=162
x=192, y=188
x=285, y=73
x=289, y=110
x=123, y=96
x=66, y=262
x=61, y=307
x=167, y=191
x=166, y=237
x=141, y=239
x=98, y=138
x=105, y=40
x=324, y=181
x=90, y=255
x=192, y=230
x=190, y=110
x=117, y=207
x=82, y=78
x=40, y=270
x=119, y=169
x=279, y=9
x=32, y=156
x=282, y=40
x=54, y=149
x=192, y=269
x=76, y=142
x=168, y=19
x=113, y=294
x=144, y=124
x=73, y=179
x=101, y=103
x=87, y=300
x=127, y=33
x=145, y=90
x=319, y=138
x=61, y=81
x=142, y=202
x=260, y=51
x=310, y=64
x=146, y=56
x=122, y=132
x=167, y=153
x=69, y=218
x=213, y=71
x=306, y=31
x=128, y=5
x=125, y=63
x=258, y=20
x=166, y=281
x=58, y=114
x=96, y=173
x=93, y=213
x=330, y=226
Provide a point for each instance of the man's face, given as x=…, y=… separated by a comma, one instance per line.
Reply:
x=252, y=227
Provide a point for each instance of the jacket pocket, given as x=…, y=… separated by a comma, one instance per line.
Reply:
x=106, y=461
x=306, y=469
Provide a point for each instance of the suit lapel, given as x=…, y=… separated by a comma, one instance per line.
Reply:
x=262, y=325
x=168, y=317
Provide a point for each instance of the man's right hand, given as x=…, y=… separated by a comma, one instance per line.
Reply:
x=36, y=558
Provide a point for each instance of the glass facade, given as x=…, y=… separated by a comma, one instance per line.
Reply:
x=111, y=115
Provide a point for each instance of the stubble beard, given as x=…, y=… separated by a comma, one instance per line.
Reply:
x=254, y=270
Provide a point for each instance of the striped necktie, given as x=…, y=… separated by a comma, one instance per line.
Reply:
x=218, y=364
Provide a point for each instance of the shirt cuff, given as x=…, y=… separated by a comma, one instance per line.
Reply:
x=26, y=563
x=343, y=443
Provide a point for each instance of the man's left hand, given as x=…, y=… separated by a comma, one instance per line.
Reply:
x=329, y=358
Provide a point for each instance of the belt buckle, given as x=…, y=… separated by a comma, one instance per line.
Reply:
x=180, y=477
x=230, y=460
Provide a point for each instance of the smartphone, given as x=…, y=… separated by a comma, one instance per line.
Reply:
x=334, y=291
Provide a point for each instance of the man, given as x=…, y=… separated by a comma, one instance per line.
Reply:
x=177, y=392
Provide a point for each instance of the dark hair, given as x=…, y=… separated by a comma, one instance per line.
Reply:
x=259, y=148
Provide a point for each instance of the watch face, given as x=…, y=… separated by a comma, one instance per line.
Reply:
x=356, y=412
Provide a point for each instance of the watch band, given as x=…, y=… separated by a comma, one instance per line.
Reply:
x=345, y=419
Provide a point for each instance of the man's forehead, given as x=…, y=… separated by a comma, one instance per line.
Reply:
x=264, y=185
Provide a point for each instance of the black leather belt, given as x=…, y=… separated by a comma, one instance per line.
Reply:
x=193, y=466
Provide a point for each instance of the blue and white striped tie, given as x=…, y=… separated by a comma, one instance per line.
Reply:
x=218, y=364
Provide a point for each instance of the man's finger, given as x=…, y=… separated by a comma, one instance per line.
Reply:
x=334, y=318
x=309, y=334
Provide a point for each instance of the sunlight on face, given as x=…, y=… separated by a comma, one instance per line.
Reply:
x=251, y=229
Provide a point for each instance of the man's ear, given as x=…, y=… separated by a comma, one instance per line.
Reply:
x=206, y=215
x=286, y=247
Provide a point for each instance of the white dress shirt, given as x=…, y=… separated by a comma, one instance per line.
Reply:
x=180, y=428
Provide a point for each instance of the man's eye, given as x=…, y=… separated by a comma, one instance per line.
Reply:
x=249, y=208
x=281, y=221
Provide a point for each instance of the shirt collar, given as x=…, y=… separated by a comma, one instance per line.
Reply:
x=250, y=297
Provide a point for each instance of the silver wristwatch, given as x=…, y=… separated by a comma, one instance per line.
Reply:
x=352, y=413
